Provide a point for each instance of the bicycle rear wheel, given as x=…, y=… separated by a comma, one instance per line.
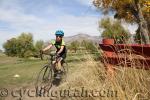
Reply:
x=65, y=71
x=44, y=77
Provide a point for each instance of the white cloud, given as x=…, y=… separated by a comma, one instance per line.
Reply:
x=85, y=24
x=43, y=28
x=131, y=27
x=16, y=18
x=85, y=2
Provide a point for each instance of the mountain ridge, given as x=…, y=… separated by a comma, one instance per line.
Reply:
x=80, y=37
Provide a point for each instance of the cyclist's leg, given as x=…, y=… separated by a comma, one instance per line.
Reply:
x=63, y=59
x=60, y=61
x=59, y=67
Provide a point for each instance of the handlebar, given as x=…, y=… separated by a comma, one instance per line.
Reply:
x=51, y=54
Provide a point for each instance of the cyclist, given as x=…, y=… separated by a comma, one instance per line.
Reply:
x=60, y=52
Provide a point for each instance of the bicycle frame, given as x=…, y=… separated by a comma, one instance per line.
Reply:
x=46, y=77
x=52, y=58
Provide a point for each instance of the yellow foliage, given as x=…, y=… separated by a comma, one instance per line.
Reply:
x=124, y=8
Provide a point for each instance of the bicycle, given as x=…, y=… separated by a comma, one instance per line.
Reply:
x=46, y=74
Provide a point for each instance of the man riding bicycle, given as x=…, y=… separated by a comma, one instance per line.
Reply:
x=60, y=53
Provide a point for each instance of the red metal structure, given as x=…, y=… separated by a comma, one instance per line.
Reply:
x=130, y=55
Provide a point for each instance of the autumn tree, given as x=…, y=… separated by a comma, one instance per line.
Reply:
x=132, y=11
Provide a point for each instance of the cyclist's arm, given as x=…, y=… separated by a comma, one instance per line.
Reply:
x=61, y=49
x=48, y=47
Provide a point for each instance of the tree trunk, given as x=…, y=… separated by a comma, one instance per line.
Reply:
x=143, y=25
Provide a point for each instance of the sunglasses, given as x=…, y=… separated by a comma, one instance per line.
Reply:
x=59, y=36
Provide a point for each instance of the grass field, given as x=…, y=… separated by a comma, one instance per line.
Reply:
x=84, y=72
x=27, y=69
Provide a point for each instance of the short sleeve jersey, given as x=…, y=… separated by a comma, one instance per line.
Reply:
x=58, y=45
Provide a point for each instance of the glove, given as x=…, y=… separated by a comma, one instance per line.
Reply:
x=41, y=51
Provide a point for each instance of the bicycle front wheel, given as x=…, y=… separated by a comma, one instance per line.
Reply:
x=44, y=77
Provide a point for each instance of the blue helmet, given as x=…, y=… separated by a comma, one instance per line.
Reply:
x=59, y=33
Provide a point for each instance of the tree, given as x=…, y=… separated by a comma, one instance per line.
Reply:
x=38, y=46
x=25, y=44
x=11, y=47
x=137, y=11
x=1, y=51
x=114, y=29
x=21, y=46
x=74, y=45
x=89, y=46
x=138, y=38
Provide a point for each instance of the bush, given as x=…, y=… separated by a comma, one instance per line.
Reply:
x=114, y=30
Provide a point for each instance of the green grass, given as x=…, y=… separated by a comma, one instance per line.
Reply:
x=27, y=69
x=10, y=66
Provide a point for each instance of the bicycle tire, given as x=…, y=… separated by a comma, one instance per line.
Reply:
x=65, y=71
x=44, y=77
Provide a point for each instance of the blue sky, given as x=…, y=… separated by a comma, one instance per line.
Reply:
x=43, y=17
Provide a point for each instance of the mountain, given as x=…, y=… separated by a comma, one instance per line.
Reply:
x=80, y=37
